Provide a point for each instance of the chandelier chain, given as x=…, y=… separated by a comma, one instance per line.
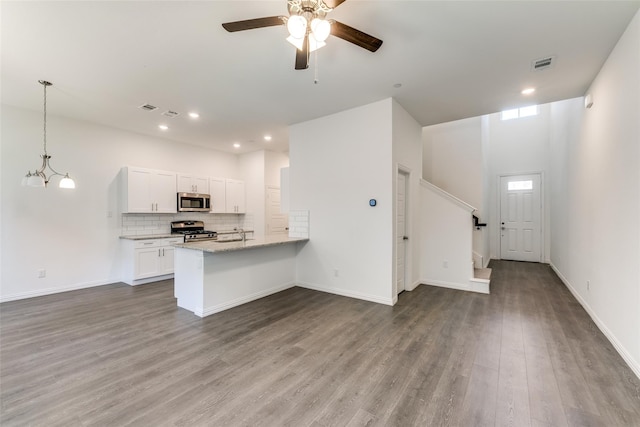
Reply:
x=45, y=120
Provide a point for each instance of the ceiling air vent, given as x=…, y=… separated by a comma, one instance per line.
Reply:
x=543, y=63
x=170, y=114
x=148, y=107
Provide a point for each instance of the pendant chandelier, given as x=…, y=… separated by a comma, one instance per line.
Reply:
x=39, y=178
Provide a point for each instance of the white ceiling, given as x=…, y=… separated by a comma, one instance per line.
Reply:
x=454, y=60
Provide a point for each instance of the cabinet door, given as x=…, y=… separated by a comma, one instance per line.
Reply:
x=185, y=184
x=193, y=184
x=138, y=196
x=164, y=192
x=240, y=197
x=218, y=195
x=166, y=260
x=147, y=262
x=201, y=184
x=235, y=196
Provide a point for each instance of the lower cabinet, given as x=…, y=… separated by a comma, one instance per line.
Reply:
x=148, y=260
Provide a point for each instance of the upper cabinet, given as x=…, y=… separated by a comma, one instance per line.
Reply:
x=148, y=191
x=227, y=195
x=193, y=184
x=235, y=196
x=217, y=190
x=154, y=191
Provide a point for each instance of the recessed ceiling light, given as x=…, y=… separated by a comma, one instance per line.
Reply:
x=397, y=85
x=163, y=127
x=528, y=91
x=194, y=115
x=236, y=145
x=267, y=137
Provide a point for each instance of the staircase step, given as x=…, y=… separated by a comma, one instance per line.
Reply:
x=482, y=273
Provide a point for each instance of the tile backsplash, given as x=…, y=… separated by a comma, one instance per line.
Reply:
x=299, y=223
x=155, y=224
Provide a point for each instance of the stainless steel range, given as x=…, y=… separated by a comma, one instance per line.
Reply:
x=192, y=231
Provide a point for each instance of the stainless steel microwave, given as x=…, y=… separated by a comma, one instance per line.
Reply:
x=194, y=202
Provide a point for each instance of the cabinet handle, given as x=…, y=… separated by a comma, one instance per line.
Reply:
x=158, y=252
x=163, y=252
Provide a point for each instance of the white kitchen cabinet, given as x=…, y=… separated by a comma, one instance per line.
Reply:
x=148, y=191
x=148, y=260
x=192, y=184
x=217, y=190
x=235, y=196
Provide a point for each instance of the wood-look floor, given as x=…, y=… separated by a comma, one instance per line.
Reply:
x=115, y=355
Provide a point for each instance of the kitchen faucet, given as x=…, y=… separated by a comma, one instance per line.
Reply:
x=242, y=233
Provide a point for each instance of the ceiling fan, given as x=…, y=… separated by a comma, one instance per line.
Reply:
x=309, y=28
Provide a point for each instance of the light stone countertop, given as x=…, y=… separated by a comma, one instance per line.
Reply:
x=169, y=235
x=150, y=236
x=213, y=246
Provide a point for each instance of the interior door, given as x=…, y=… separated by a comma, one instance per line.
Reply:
x=520, y=215
x=277, y=222
x=401, y=232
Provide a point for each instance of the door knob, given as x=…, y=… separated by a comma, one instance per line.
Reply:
x=405, y=238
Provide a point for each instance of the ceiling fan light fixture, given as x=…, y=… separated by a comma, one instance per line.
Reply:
x=321, y=28
x=313, y=43
x=297, y=26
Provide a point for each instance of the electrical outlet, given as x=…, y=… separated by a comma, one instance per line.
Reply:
x=336, y=273
x=42, y=273
x=445, y=264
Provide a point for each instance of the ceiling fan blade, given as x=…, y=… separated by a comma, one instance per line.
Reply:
x=302, y=56
x=354, y=36
x=250, y=24
x=333, y=3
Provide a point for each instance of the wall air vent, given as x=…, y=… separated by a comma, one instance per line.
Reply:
x=170, y=114
x=148, y=107
x=543, y=63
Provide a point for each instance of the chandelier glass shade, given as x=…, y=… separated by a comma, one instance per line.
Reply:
x=40, y=177
x=317, y=30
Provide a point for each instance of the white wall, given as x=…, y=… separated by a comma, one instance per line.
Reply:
x=338, y=163
x=596, y=197
x=252, y=172
x=407, y=155
x=445, y=239
x=274, y=162
x=455, y=157
x=70, y=233
x=518, y=146
x=259, y=169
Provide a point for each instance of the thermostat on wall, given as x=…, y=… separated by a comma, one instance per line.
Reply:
x=372, y=202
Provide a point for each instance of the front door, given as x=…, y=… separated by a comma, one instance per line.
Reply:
x=520, y=215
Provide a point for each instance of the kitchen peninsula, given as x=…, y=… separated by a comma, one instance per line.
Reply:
x=212, y=276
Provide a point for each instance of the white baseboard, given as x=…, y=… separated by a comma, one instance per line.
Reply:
x=147, y=280
x=449, y=285
x=633, y=364
x=346, y=293
x=413, y=285
x=478, y=285
x=57, y=290
x=204, y=312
